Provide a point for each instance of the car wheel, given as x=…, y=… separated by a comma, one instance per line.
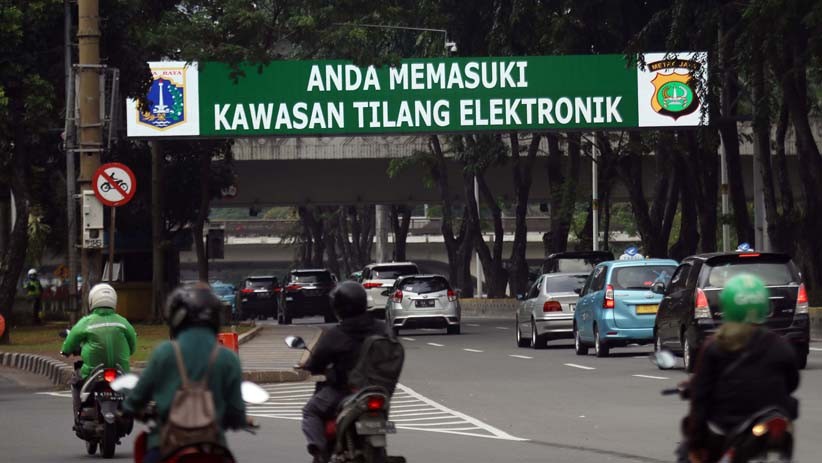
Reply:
x=687, y=354
x=536, y=341
x=579, y=347
x=601, y=348
x=521, y=341
x=453, y=329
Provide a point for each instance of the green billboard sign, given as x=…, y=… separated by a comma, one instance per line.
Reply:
x=295, y=98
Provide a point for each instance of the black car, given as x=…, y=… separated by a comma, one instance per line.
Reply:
x=305, y=294
x=689, y=312
x=574, y=261
x=258, y=297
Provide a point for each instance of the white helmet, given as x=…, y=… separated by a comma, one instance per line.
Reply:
x=102, y=295
x=32, y=272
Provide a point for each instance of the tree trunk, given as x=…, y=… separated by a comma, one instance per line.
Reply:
x=158, y=282
x=702, y=156
x=522, y=169
x=5, y=215
x=14, y=257
x=307, y=243
x=780, y=163
x=400, y=223
x=440, y=174
x=496, y=277
x=202, y=215
x=563, y=190
x=688, y=240
x=317, y=229
x=330, y=238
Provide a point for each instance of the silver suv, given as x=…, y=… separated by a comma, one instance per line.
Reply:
x=376, y=278
x=422, y=301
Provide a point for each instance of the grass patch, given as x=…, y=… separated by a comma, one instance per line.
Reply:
x=44, y=340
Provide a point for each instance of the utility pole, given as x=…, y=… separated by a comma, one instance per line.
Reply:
x=157, y=255
x=71, y=175
x=90, y=126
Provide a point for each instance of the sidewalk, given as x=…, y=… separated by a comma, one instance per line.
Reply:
x=266, y=358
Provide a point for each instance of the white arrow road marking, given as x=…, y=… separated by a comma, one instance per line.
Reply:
x=472, y=324
x=502, y=328
x=435, y=344
x=409, y=410
x=409, y=339
x=474, y=350
x=581, y=367
x=650, y=377
x=520, y=356
x=64, y=394
x=815, y=349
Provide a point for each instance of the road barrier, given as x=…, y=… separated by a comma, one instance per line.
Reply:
x=489, y=308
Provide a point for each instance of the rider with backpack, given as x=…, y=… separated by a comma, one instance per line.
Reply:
x=194, y=382
x=335, y=355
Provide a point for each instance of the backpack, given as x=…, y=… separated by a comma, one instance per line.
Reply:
x=379, y=363
x=192, y=418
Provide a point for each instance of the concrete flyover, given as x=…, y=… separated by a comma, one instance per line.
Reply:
x=352, y=170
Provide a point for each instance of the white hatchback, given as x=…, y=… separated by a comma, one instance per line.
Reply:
x=376, y=278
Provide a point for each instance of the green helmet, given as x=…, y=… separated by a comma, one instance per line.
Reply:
x=744, y=300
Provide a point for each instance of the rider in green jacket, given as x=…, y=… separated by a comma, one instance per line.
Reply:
x=101, y=337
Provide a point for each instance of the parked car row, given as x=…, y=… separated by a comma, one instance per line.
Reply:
x=657, y=301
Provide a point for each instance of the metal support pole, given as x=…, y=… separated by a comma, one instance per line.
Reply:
x=111, y=244
x=71, y=174
x=594, y=196
x=723, y=188
x=157, y=261
x=479, y=263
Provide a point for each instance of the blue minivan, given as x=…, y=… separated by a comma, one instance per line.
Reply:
x=616, y=306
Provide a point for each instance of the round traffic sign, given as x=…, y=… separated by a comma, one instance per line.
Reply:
x=114, y=184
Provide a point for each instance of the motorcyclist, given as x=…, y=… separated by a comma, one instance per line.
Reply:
x=34, y=293
x=742, y=370
x=193, y=315
x=334, y=355
x=102, y=337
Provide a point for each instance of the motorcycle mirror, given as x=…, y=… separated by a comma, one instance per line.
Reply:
x=664, y=359
x=63, y=334
x=253, y=393
x=125, y=382
x=295, y=342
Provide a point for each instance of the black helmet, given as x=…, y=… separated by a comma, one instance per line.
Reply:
x=192, y=305
x=348, y=300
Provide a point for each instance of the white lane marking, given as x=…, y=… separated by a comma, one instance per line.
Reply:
x=64, y=394
x=408, y=339
x=815, y=349
x=640, y=356
x=650, y=377
x=520, y=356
x=472, y=324
x=435, y=344
x=474, y=350
x=502, y=327
x=581, y=367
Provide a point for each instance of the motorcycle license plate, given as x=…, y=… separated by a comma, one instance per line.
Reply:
x=371, y=427
x=424, y=303
x=110, y=396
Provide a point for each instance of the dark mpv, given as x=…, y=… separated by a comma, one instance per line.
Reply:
x=689, y=311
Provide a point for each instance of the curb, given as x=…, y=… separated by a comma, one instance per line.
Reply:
x=281, y=375
x=58, y=372
x=249, y=335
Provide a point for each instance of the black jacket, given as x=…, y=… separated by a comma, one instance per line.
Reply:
x=729, y=386
x=339, y=348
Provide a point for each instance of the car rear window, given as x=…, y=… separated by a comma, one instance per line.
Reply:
x=424, y=285
x=259, y=283
x=772, y=273
x=392, y=272
x=311, y=277
x=643, y=277
x=565, y=283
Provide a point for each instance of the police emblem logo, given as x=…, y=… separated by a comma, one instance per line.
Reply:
x=166, y=99
x=675, y=92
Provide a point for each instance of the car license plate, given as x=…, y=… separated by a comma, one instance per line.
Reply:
x=424, y=303
x=371, y=427
x=647, y=309
x=263, y=295
x=311, y=292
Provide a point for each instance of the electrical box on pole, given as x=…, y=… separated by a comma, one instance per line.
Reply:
x=92, y=221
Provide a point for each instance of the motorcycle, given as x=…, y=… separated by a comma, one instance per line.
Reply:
x=358, y=432
x=99, y=421
x=766, y=436
x=195, y=453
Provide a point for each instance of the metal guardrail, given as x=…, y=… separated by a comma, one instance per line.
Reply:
x=419, y=226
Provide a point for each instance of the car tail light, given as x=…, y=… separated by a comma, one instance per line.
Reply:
x=293, y=288
x=371, y=285
x=397, y=297
x=375, y=403
x=109, y=374
x=452, y=296
x=246, y=290
x=701, y=307
x=608, y=303
x=277, y=290
x=801, y=300
x=551, y=306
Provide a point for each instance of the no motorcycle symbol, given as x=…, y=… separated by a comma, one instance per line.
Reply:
x=114, y=184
